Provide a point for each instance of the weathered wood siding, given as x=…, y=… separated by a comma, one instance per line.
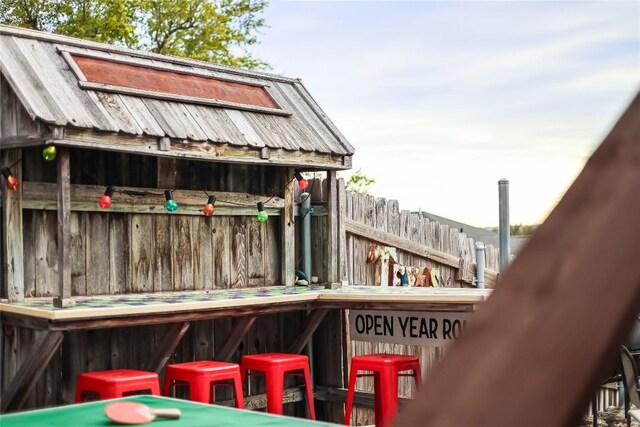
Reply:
x=122, y=253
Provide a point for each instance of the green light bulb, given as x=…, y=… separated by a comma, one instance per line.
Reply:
x=49, y=153
x=262, y=215
x=171, y=205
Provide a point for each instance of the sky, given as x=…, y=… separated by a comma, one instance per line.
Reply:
x=443, y=99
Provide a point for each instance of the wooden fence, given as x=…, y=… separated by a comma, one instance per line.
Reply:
x=385, y=216
x=420, y=242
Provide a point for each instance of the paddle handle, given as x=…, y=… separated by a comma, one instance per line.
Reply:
x=166, y=413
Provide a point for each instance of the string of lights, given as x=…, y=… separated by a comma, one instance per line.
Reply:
x=106, y=200
x=12, y=182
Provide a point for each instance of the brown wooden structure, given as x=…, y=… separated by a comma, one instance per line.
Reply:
x=146, y=123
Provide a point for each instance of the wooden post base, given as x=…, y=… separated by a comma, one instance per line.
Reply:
x=64, y=302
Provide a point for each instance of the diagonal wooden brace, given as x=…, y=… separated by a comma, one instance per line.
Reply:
x=30, y=371
x=311, y=324
x=240, y=329
x=167, y=346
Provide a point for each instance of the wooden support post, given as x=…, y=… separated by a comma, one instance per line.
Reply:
x=164, y=144
x=288, y=264
x=13, y=265
x=64, y=230
x=239, y=330
x=332, y=227
x=562, y=310
x=310, y=325
x=57, y=132
x=30, y=371
x=167, y=346
x=342, y=231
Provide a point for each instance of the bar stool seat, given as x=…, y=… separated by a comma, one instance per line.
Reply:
x=386, y=370
x=116, y=383
x=201, y=376
x=274, y=366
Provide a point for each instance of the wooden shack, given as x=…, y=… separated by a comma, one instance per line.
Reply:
x=111, y=258
x=143, y=124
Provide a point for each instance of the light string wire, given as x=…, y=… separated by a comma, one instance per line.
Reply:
x=151, y=193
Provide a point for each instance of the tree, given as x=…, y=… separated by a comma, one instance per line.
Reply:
x=519, y=229
x=359, y=182
x=212, y=30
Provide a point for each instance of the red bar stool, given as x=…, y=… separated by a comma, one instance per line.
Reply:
x=274, y=366
x=116, y=383
x=386, y=370
x=200, y=376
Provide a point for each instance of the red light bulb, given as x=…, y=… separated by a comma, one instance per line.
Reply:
x=210, y=207
x=302, y=183
x=12, y=181
x=105, y=200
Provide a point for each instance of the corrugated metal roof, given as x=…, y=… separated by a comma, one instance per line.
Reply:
x=38, y=68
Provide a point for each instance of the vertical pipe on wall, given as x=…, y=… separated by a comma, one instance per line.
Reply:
x=305, y=214
x=480, y=265
x=505, y=250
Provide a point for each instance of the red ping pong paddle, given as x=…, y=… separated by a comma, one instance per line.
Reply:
x=137, y=413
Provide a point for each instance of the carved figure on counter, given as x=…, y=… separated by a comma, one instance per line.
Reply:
x=421, y=279
x=384, y=258
x=435, y=277
x=412, y=272
x=404, y=280
x=396, y=275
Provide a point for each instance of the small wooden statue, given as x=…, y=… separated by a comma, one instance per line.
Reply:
x=384, y=258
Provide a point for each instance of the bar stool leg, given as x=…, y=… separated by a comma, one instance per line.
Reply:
x=388, y=391
x=200, y=391
x=79, y=390
x=155, y=388
x=309, y=387
x=237, y=386
x=166, y=388
x=350, y=392
x=275, y=391
x=378, y=399
x=418, y=376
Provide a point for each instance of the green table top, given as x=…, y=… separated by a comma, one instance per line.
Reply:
x=193, y=415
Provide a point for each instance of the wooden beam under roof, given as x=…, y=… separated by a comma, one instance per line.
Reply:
x=203, y=151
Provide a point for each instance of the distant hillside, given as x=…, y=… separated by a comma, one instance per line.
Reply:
x=488, y=236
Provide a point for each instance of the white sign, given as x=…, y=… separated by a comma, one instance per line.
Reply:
x=434, y=329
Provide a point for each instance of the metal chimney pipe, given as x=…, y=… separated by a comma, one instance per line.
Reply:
x=505, y=249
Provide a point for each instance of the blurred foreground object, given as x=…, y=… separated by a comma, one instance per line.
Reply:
x=535, y=352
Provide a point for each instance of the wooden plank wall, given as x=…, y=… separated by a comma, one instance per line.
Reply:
x=121, y=253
